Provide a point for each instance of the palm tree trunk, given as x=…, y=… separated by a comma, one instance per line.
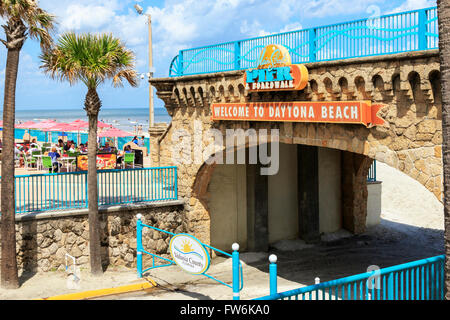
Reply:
x=444, y=54
x=92, y=107
x=9, y=272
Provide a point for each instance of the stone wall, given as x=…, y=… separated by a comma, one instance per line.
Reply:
x=408, y=85
x=43, y=240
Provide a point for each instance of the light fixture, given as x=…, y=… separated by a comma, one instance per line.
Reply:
x=138, y=8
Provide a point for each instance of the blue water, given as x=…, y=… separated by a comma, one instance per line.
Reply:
x=125, y=118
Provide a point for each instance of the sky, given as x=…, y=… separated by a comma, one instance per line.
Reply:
x=176, y=24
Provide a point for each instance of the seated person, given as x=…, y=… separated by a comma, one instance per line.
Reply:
x=60, y=143
x=55, y=155
x=82, y=148
x=33, y=147
x=17, y=156
x=106, y=148
x=122, y=153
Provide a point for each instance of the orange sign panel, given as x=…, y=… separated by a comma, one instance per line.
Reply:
x=351, y=112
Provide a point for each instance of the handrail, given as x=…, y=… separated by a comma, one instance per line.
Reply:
x=355, y=278
x=68, y=190
x=414, y=26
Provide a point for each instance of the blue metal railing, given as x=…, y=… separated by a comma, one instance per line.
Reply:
x=418, y=280
x=372, y=176
x=237, y=273
x=59, y=191
x=394, y=33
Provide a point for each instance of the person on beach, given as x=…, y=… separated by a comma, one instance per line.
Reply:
x=141, y=142
x=135, y=140
x=54, y=155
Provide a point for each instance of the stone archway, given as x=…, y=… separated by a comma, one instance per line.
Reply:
x=410, y=140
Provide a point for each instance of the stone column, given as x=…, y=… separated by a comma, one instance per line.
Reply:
x=156, y=133
x=355, y=168
x=308, y=193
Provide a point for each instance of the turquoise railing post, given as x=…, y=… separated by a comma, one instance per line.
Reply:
x=139, y=245
x=422, y=29
x=235, y=261
x=312, y=45
x=273, y=274
x=390, y=286
x=237, y=55
x=180, y=64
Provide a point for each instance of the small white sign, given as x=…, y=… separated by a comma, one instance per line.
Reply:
x=189, y=254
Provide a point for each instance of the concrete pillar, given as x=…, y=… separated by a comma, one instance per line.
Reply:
x=257, y=209
x=355, y=168
x=156, y=133
x=308, y=193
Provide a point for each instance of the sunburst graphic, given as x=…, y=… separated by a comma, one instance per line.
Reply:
x=186, y=246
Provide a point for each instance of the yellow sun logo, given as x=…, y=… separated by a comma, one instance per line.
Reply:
x=186, y=246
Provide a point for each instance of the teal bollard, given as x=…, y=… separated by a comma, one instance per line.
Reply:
x=235, y=260
x=273, y=274
x=139, y=245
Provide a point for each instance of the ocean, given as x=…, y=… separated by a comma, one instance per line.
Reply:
x=126, y=119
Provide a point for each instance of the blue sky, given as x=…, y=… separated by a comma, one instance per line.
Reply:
x=177, y=24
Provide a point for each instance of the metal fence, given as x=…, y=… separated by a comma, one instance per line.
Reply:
x=59, y=191
x=394, y=33
x=418, y=280
x=372, y=176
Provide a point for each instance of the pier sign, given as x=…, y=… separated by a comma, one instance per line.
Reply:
x=189, y=254
x=345, y=112
x=275, y=72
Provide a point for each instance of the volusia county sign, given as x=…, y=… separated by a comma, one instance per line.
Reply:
x=189, y=254
x=350, y=112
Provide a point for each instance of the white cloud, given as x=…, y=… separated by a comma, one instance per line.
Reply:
x=409, y=5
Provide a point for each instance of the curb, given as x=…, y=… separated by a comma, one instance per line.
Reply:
x=149, y=284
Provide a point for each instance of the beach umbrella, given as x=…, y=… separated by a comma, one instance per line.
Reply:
x=114, y=133
x=26, y=125
x=44, y=124
x=84, y=124
x=63, y=127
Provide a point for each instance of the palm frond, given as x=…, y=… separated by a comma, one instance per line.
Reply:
x=91, y=59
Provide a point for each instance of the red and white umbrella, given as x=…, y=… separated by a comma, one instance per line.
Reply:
x=62, y=127
x=44, y=124
x=84, y=124
x=26, y=125
x=114, y=133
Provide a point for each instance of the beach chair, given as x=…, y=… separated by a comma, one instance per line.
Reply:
x=128, y=158
x=47, y=163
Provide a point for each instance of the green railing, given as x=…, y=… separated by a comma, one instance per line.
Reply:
x=60, y=191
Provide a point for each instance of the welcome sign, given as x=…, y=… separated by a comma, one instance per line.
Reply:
x=189, y=254
x=350, y=112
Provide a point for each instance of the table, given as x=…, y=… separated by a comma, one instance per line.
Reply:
x=67, y=160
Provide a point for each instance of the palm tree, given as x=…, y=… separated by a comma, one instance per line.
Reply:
x=23, y=18
x=444, y=55
x=91, y=59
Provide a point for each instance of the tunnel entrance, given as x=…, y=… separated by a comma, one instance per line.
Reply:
x=316, y=191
